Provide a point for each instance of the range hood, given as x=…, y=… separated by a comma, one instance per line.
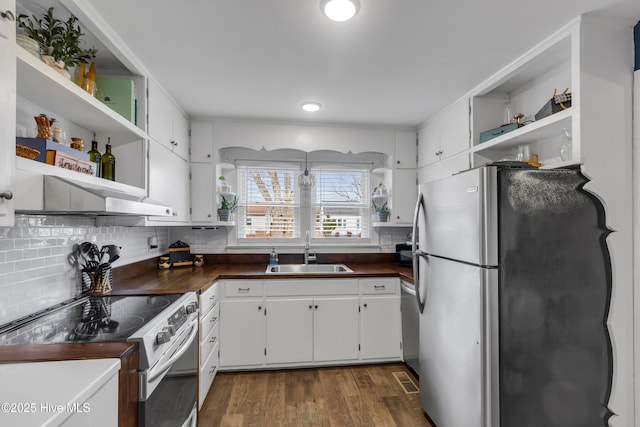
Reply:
x=67, y=196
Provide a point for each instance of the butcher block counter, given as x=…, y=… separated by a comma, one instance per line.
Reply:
x=145, y=278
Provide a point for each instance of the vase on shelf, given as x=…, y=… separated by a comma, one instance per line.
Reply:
x=382, y=216
x=224, y=214
x=56, y=65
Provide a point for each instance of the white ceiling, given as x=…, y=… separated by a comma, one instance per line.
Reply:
x=397, y=63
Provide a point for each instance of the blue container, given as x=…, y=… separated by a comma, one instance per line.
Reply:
x=492, y=133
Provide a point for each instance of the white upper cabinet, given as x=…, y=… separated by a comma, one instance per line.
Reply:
x=169, y=181
x=167, y=124
x=7, y=111
x=445, y=135
x=405, y=156
x=201, y=141
x=203, y=196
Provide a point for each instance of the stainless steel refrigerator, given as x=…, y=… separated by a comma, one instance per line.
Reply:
x=514, y=285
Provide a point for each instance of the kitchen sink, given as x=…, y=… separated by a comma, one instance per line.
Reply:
x=307, y=269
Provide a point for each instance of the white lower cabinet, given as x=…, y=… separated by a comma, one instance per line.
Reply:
x=312, y=322
x=290, y=330
x=380, y=327
x=335, y=329
x=242, y=332
x=209, y=334
x=380, y=319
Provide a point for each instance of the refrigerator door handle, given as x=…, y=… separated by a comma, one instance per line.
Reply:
x=415, y=251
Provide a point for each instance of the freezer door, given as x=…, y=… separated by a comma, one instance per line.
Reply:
x=458, y=344
x=461, y=217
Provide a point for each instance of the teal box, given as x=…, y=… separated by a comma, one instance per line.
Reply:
x=119, y=94
x=492, y=133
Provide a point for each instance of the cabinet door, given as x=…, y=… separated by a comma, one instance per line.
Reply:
x=335, y=329
x=405, y=150
x=160, y=115
x=454, y=129
x=381, y=328
x=7, y=112
x=290, y=330
x=242, y=332
x=202, y=193
x=180, y=135
x=169, y=181
x=201, y=142
x=404, y=196
x=429, y=143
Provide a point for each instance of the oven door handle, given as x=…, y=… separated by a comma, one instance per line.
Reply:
x=169, y=363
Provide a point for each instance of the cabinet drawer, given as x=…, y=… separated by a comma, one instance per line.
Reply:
x=207, y=373
x=208, y=343
x=379, y=286
x=209, y=321
x=243, y=288
x=311, y=287
x=208, y=298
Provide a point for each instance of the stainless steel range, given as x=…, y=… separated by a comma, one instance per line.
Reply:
x=165, y=326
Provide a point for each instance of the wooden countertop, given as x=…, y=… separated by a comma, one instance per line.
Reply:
x=70, y=351
x=192, y=279
x=145, y=278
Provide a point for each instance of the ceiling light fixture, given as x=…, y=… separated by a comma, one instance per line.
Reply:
x=340, y=10
x=306, y=180
x=311, y=107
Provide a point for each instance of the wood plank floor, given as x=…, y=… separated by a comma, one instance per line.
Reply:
x=366, y=395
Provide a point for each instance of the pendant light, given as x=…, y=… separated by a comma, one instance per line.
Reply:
x=306, y=180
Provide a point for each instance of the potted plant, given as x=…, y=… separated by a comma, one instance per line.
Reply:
x=382, y=212
x=226, y=207
x=224, y=188
x=59, y=41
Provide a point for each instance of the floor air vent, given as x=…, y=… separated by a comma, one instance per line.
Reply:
x=406, y=382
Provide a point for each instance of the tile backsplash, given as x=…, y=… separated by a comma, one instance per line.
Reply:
x=34, y=268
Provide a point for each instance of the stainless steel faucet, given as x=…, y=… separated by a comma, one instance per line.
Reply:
x=308, y=256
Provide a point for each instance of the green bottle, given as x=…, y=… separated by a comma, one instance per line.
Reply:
x=108, y=163
x=95, y=156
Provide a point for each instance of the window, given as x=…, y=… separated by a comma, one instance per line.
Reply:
x=268, y=202
x=340, y=203
x=271, y=206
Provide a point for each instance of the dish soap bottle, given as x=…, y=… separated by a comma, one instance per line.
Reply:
x=108, y=163
x=273, y=258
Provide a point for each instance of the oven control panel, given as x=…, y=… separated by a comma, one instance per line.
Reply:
x=156, y=337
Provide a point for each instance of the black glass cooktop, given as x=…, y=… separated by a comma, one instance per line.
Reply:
x=94, y=319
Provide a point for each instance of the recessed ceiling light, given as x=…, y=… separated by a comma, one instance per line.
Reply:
x=311, y=107
x=340, y=10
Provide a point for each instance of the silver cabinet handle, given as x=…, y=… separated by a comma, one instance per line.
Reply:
x=8, y=15
x=379, y=287
x=244, y=289
x=213, y=339
x=213, y=319
x=8, y=195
